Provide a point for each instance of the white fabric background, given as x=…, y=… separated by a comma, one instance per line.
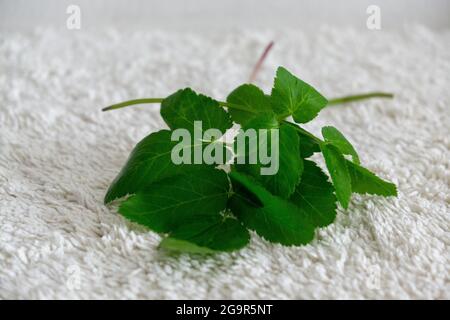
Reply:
x=58, y=154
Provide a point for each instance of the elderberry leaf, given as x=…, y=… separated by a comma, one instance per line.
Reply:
x=315, y=195
x=292, y=96
x=336, y=138
x=273, y=218
x=164, y=205
x=364, y=181
x=149, y=161
x=250, y=97
x=183, y=107
x=205, y=233
x=284, y=155
x=337, y=167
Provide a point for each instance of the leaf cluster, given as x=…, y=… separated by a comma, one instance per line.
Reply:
x=201, y=208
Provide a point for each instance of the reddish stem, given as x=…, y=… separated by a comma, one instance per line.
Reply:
x=258, y=65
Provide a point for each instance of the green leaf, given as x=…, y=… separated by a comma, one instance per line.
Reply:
x=290, y=164
x=149, y=161
x=336, y=138
x=364, y=181
x=252, y=98
x=292, y=96
x=173, y=244
x=165, y=204
x=315, y=195
x=182, y=108
x=272, y=217
x=204, y=233
x=307, y=145
x=337, y=167
x=262, y=121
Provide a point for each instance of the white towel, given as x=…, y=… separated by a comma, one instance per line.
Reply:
x=58, y=154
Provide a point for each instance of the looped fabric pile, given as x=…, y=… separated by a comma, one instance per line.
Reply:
x=59, y=153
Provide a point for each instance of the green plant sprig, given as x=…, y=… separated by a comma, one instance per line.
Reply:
x=200, y=208
x=335, y=101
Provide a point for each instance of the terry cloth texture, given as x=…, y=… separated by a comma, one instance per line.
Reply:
x=59, y=153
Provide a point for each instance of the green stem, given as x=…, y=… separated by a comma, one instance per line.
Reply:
x=335, y=101
x=159, y=100
x=331, y=102
x=133, y=102
x=303, y=131
x=358, y=97
x=236, y=106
